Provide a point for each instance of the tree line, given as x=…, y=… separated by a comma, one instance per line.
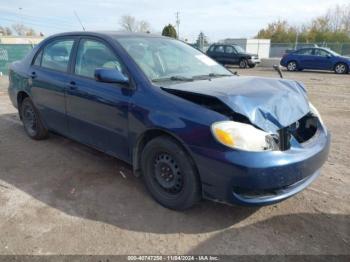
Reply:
x=333, y=26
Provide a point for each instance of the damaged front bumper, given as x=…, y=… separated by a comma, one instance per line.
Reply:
x=261, y=178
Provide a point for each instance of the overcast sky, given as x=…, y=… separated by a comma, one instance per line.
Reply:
x=218, y=19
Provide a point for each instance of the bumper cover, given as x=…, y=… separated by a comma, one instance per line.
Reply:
x=261, y=178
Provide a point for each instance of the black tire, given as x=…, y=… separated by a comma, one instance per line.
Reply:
x=252, y=65
x=170, y=174
x=32, y=123
x=243, y=63
x=292, y=66
x=341, y=68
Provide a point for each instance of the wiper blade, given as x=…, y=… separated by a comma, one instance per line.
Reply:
x=211, y=75
x=173, y=78
x=218, y=75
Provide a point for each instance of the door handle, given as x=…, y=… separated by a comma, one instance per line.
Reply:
x=33, y=75
x=72, y=85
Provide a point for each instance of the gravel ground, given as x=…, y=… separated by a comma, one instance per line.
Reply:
x=59, y=197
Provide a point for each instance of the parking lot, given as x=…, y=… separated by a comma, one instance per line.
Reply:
x=60, y=197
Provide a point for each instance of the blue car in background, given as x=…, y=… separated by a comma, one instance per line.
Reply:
x=317, y=59
x=188, y=126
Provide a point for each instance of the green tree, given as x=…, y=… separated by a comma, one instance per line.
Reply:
x=5, y=31
x=23, y=30
x=334, y=26
x=169, y=31
x=130, y=24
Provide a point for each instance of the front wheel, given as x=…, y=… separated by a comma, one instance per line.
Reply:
x=169, y=174
x=243, y=63
x=292, y=66
x=31, y=120
x=340, y=68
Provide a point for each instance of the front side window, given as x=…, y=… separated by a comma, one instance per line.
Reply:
x=239, y=49
x=162, y=58
x=56, y=55
x=230, y=50
x=320, y=52
x=92, y=55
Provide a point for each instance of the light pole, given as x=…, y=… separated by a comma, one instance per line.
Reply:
x=178, y=24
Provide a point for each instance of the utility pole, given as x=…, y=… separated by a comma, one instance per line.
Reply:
x=296, y=40
x=20, y=15
x=178, y=24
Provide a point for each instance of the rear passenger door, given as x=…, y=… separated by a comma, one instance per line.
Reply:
x=305, y=58
x=98, y=112
x=48, y=81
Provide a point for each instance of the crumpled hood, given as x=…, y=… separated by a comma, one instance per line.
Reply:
x=269, y=103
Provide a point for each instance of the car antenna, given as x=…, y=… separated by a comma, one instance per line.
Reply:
x=278, y=69
x=76, y=15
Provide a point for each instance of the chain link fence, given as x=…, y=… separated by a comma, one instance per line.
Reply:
x=12, y=52
x=277, y=50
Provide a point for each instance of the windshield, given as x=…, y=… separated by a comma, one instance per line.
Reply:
x=163, y=59
x=239, y=49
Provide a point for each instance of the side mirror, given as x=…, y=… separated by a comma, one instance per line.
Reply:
x=109, y=75
x=329, y=56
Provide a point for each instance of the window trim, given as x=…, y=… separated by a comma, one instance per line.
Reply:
x=44, y=45
x=36, y=56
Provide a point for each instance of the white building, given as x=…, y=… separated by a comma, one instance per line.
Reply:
x=254, y=46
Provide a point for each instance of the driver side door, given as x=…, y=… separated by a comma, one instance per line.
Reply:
x=98, y=112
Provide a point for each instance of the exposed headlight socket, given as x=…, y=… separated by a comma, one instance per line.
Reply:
x=284, y=139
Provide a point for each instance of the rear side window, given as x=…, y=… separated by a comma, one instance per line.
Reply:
x=304, y=52
x=56, y=55
x=94, y=54
x=219, y=49
x=37, y=61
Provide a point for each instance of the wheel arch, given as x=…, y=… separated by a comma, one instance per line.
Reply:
x=21, y=95
x=149, y=135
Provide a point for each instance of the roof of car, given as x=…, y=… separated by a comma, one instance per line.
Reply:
x=107, y=33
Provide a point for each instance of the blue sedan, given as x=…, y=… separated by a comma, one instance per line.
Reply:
x=188, y=126
x=316, y=58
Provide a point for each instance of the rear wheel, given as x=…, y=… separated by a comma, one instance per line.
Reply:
x=243, y=63
x=169, y=174
x=252, y=65
x=341, y=68
x=31, y=120
x=292, y=66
